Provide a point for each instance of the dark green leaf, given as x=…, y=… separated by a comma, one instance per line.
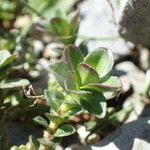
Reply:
x=59, y=26
x=94, y=103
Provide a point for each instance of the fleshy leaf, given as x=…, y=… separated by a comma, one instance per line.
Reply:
x=101, y=60
x=94, y=103
x=64, y=130
x=112, y=84
x=87, y=74
x=51, y=97
x=40, y=120
x=59, y=26
x=6, y=58
x=14, y=83
x=73, y=56
x=60, y=70
x=54, y=118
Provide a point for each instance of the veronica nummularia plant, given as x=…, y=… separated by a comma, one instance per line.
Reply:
x=84, y=85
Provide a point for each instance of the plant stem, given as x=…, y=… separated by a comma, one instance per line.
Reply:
x=3, y=132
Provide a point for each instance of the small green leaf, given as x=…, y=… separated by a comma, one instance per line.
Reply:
x=51, y=97
x=70, y=39
x=73, y=56
x=60, y=70
x=101, y=60
x=64, y=130
x=73, y=22
x=112, y=84
x=6, y=58
x=94, y=103
x=40, y=120
x=59, y=26
x=75, y=109
x=87, y=74
x=14, y=83
x=54, y=118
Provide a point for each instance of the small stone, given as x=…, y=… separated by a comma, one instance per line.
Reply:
x=133, y=73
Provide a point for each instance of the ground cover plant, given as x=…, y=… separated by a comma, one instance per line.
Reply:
x=51, y=82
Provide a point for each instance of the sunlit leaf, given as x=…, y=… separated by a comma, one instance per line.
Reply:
x=87, y=74
x=6, y=58
x=40, y=120
x=14, y=83
x=64, y=130
x=101, y=60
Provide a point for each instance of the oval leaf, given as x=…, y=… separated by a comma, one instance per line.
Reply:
x=14, y=83
x=59, y=26
x=64, y=130
x=101, y=60
x=60, y=70
x=73, y=56
x=94, y=103
x=112, y=84
x=40, y=120
x=87, y=74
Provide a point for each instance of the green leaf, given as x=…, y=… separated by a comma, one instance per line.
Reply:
x=75, y=109
x=70, y=83
x=59, y=26
x=51, y=97
x=101, y=60
x=73, y=22
x=14, y=83
x=40, y=120
x=57, y=119
x=60, y=70
x=47, y=142
x=6, y=58
x=64, y=130
x=70, y=39
x=112, y=84
x=73, y=56
x=94, y=103
x=87, y=74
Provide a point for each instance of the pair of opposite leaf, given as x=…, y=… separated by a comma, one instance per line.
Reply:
x=65, y=30
x=88, y=78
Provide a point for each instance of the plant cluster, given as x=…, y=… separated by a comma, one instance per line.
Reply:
x=82, y=81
